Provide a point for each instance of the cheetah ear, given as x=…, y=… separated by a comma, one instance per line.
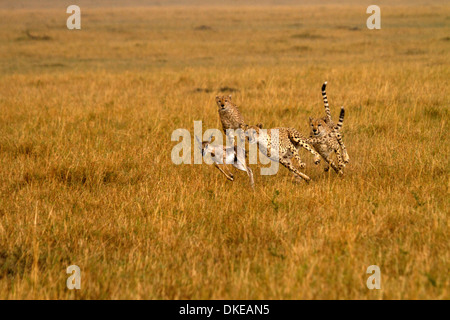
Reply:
x=210, y=138
x=217, y=98
x=310, y=119
x=229, y=96
x=260, y=125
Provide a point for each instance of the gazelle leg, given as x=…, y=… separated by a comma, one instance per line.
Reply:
x=250, y=175
x=229, y=175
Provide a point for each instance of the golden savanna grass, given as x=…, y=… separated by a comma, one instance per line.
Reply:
x=87, y=179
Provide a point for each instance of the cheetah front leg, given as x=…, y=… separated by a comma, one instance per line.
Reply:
x=301, y=164
x=288, y=164
x=295, y=154
x=306, y=146
x=325, y=156
x=327, y=167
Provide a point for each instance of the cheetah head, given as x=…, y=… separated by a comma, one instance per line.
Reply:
x=318, y=127
x=223, y=101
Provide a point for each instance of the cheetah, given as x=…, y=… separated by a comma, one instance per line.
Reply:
x=232, y=120
x=224, y=156
x=229, y=114
x=289, y=140
x=335, y=128
x=328, y=143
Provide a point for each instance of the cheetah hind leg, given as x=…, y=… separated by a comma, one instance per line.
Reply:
x=344, y=149
x=341, y=163
x=345, y=155
x=288, y=164
x=333, y=165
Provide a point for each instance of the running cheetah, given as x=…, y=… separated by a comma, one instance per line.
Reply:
x=327, y=144
x=289, y=140
x=233, y=123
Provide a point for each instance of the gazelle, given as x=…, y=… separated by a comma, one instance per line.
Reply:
x=226, y=155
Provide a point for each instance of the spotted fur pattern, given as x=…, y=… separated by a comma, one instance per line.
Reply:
x=289, y=140
x=327, y=145
x=229, y=114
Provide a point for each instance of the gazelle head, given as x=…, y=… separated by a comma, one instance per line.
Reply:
x=252, y=132
x=205, y=145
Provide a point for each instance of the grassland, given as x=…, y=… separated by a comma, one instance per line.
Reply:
x=86, y=176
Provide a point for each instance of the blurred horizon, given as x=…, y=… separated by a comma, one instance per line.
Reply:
x=51, y=4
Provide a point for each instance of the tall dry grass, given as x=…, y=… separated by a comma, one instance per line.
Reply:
x=86, y=176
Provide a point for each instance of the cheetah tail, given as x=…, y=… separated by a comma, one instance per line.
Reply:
x=325, y=101
x=341, y=119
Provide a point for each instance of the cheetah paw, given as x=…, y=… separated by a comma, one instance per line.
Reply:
x=346, y=158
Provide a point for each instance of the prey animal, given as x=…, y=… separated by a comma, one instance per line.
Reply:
x=224, y=156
